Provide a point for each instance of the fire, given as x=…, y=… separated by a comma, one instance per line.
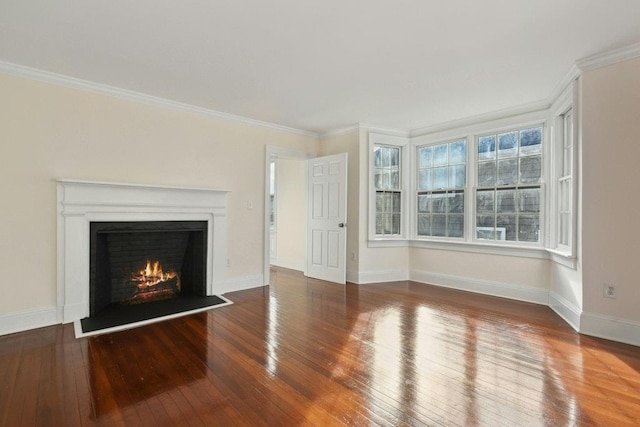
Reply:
x=152, y=275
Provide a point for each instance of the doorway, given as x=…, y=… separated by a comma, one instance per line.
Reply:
x=285, y=209
x=305, y=213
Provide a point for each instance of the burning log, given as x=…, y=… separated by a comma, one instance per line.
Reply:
x=152, y=283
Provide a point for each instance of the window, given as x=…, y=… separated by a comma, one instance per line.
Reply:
x=508, y=193
x=565, y=183
x=388, y=190
x=441, y=180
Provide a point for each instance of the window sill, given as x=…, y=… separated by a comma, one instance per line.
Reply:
x=463, y=246
x=563, y=258
x=388, y=243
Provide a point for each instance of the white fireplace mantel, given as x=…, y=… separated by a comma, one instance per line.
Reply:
x=82, y=202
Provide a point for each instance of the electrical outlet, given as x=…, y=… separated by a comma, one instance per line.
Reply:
x=228, y=262
x=609, y=290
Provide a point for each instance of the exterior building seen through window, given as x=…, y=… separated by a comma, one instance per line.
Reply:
x=509, y=177
x=388, y=190
x=441, y=181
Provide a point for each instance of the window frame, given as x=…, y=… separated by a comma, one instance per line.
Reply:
x=541, y=185
x=415, y=191
x=568, y=101
x=379, y=139
x=470, y=129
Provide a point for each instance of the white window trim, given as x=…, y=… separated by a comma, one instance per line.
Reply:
x=547, y=248
x=403, y=143
x=413, y=213
x=542, y=185
x=568, y=100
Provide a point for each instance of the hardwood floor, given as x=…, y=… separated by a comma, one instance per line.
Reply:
x=307, y=352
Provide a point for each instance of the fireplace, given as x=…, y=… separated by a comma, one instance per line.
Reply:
x=181, y=231
x=145, y=261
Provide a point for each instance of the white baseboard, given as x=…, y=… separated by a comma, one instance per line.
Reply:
x=610, y=328
x=25, y=320
x=238, y=284
x=565, y=309
x=353, y=276
x=504, y=290
x=368, y=277
x=287, y=263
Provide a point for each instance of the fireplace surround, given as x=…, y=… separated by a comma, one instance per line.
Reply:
x=81, y=203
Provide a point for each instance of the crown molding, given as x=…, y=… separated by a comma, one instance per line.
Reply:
x=483, y=118
x=384, y=130
x=129, y=95
x=340, y=131
x=573, y=74
x=609, y=57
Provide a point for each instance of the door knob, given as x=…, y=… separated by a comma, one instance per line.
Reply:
x=341, y=225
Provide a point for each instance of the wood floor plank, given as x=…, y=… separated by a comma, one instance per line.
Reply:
x=308, y=352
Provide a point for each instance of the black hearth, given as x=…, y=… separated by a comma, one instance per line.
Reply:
x=140, y=270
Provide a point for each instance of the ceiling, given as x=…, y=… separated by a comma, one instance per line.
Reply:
x=323, y=65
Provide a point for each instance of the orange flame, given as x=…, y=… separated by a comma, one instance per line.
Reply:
x=152, y=275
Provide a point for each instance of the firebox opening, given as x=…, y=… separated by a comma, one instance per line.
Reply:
x=135, y=263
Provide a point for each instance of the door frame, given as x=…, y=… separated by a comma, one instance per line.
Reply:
x=270, y=153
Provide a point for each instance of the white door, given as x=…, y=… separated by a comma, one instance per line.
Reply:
x=327, y=218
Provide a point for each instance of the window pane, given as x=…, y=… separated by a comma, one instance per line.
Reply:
x=529, y=200
x=396, y=224
x=457, y=176
x=395, y=180
x=529, y=228
x=395, y=157
x=379, y=225
x=424, y=179
x=441, y=155
x=377, y=179
x=456, y=202
x=424, y=225
x=439, y=202
x=508, y=145
x=384, y=180
x=507, y=172
x=438, y=225
x=506, y=201
x=485, y=201
x=530, y=169
x=531, y=141
x=506, y=227
x=386, y=157
x=424, y=203
x=485, y=227
x=396, y=202
x=455, y=226
x=440, y=178
x=487, y=147
x=379, y=201
x=388, y=202
x=457, y=152
x=425, y=157
x=486, y=174
x=377, y=156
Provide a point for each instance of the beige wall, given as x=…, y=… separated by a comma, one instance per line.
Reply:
x=341, y=143
x=50, y=132
x=376, y=264
x=290, y=214
x=611, y=151
x=507, y=270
